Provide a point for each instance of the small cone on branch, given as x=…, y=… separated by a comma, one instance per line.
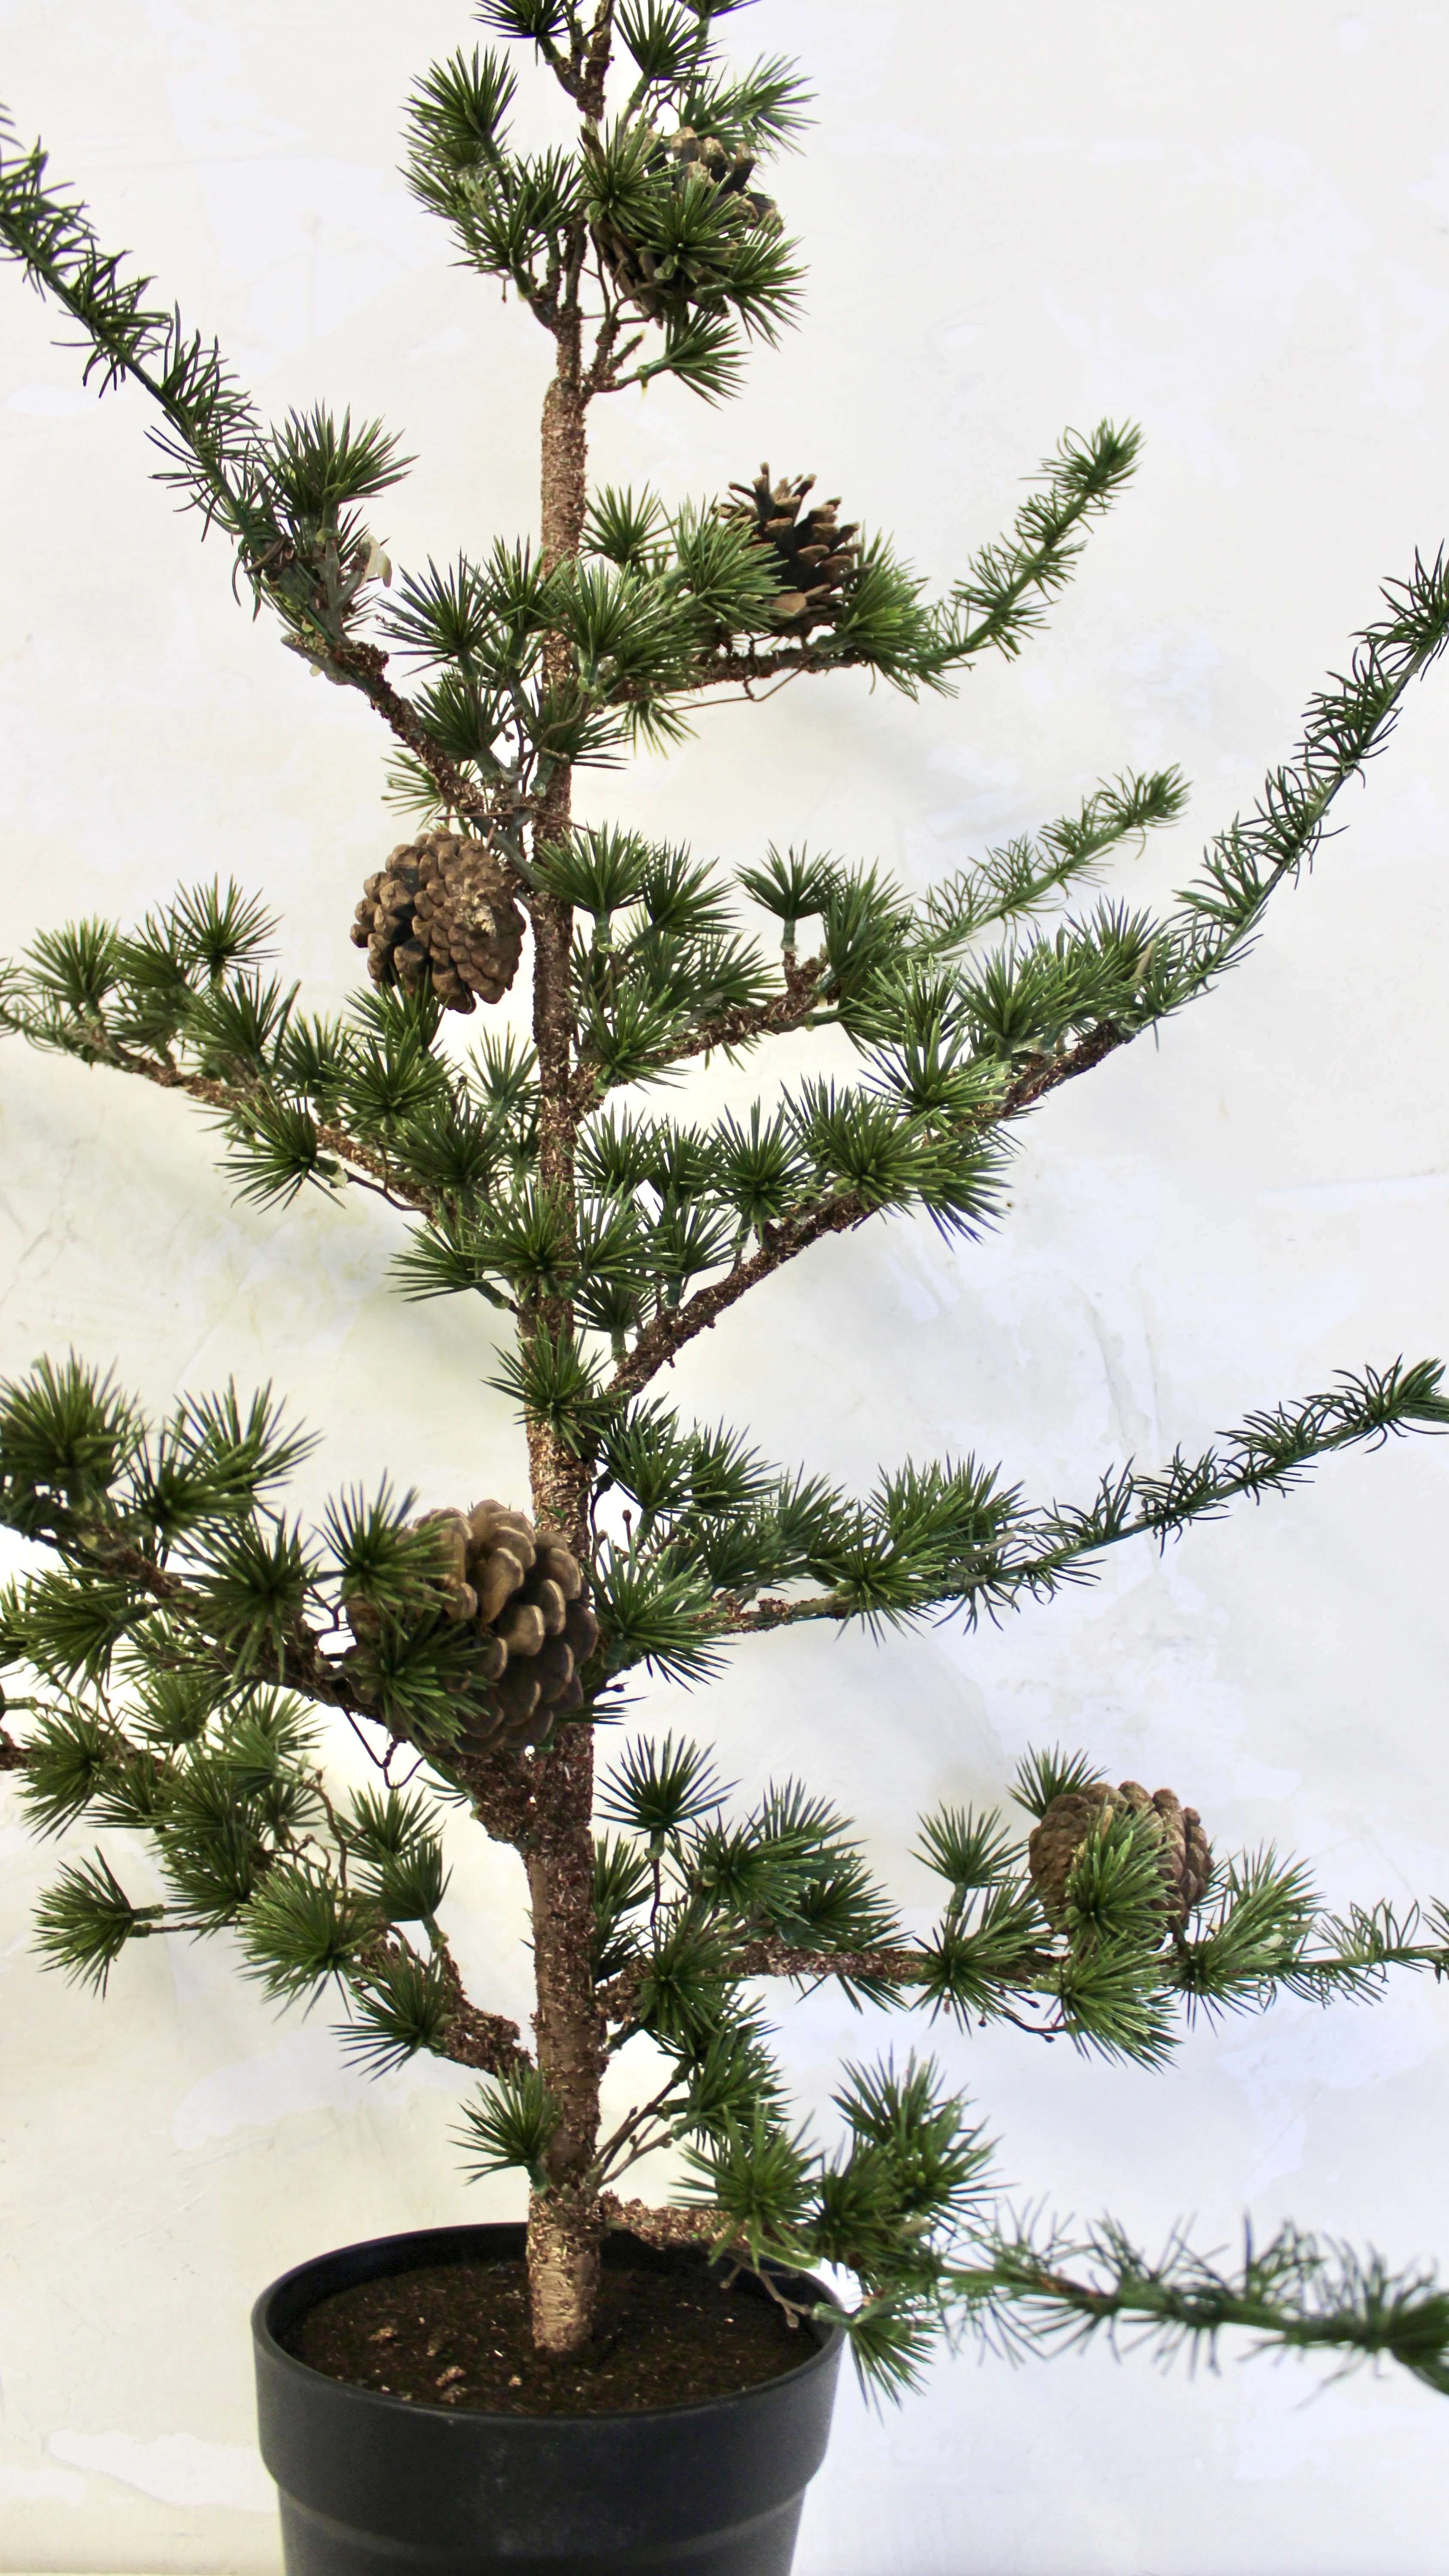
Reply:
x=664, y=284
x=520, y=1588
x=818, y=559
x=442, y=912
x=1184, y=1858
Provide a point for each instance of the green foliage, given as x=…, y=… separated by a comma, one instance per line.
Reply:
x=1111, y=2005
x=512, y=2124
x=85, y=1920
x=302, y=1930
x=988, y=1948
x=814, y=1891
x=188, y=1638
x=757, y=2177
x=909, y=2135
x=66, y=1436
x=657, y=1789
x=398, y=1856
x=410, y=1885
x=1003, y=597
x=623, y=1881
x=1041, y=2290
x=71, y=1755
x=1114, y=1889
x=655, y=1613
x=1041, y=1777
x=1256, y=1939
x=553, y=1381
x=455, y=121
x=256, y=1584
x=967, y=1850
x=400, y=2006
x=891, y=2205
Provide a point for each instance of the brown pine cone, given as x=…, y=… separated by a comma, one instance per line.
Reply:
x=520, y=1588
x=442, y=909
x=818, y=560
x=665, y=284
x=1184, y=1858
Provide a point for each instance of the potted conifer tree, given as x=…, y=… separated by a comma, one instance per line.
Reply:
x=614, y=2384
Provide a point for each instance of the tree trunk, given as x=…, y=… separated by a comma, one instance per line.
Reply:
x=564, y=2225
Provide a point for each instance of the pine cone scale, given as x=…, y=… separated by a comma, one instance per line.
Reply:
x=1181, y=1848
x=520, y=1589
x=442, y=910
x=818, y=560
x=665, y=285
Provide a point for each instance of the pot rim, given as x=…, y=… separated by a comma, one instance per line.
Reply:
x=829, y=2340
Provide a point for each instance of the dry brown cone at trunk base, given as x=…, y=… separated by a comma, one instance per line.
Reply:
x=818, y=560
x=1184, y=1858
x=442, y=911
x=521, y=1587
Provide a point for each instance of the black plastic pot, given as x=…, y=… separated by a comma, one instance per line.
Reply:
x=375, y=2486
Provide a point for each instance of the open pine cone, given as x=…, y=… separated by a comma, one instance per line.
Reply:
x=662, y=284
x=1183, y=1854
x=443, y=909
x=521, y=1588
x=818, y=560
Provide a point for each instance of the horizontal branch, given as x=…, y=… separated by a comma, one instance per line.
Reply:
x=234, y=1099
x=666, y=2228
x=891, y=1966
x=1270, y=1454
x=1043, y=1073
x=295, y=1660
x=617, y=2000
x=1297, y=2293
x=474, y=2038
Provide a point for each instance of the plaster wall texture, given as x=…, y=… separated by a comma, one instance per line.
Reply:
x=1233, y=225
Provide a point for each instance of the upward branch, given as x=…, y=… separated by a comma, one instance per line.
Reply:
x=51, y=235
x=1002, y=601
x=940, y=1536
x=287, y=499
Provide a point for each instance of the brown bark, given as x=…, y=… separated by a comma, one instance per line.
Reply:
x=364, y=665
x=564, y=2224
x=475, y=2038
x=663, y=2227
x=669, y=1332
x=564, y=463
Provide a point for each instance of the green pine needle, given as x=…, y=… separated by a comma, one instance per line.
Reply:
x=85, y=1920
x=512, y=2125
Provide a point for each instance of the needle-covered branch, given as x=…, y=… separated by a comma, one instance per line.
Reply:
x=1037, y=2291
x=698, y=1906
x=694, y=1907
x=185, y=1002
x=660, y=608
x=221, y=1781
x=956, y=1042
x=735, y=1547
x=176, y=1561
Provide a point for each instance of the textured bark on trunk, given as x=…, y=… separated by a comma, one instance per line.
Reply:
x=564, y=2224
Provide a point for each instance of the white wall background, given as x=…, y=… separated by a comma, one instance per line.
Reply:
x=1232, y=224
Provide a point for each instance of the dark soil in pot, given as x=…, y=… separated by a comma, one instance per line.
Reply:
x=458, y=2334
x=631, y=2481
